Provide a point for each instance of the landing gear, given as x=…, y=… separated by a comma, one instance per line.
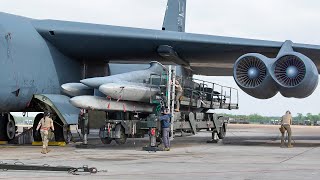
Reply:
x=7, y=127
x=61, y=134
x=11, y=129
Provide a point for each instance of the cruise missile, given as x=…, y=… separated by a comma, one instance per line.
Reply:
x=133, y=76
x=129, y=92
x=76, y=89
x=105, y=104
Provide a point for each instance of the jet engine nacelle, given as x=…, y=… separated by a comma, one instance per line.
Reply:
x=291, y=73
x=251, y=73
x=295, y=74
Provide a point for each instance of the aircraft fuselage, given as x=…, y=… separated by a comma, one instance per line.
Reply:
x=29, y=64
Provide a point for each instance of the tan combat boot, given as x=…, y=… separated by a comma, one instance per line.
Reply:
x=43, y=151
x=282, y=144
x=48, y=150
x=290, y=146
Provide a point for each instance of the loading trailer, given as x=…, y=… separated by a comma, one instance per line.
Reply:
x=200, y=99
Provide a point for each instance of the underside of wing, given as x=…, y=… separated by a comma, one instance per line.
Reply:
x=205, y=54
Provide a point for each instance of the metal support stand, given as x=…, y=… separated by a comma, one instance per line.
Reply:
x=85, y=139
x=152, y=124
x=215, y=138
x=84, y=126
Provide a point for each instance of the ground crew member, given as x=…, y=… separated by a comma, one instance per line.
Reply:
x=45, y=123
x=165, y=125
x=179, y=91
x=286, y=121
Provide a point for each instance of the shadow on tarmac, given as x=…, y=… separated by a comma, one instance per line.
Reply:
x=187, y=141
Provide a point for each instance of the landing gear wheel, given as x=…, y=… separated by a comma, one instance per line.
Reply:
x=106, y=140
x=123, y=136
x=11, y=129
x=7, y=127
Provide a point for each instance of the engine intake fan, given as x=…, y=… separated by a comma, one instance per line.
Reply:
x=252, y=76
x=295, y=74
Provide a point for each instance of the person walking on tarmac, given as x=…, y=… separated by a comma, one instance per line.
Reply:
x=179, y=91
x=45, y=123
x=286, y=121
x=165, y=125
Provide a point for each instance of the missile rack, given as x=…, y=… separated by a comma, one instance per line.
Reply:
x=200, y=99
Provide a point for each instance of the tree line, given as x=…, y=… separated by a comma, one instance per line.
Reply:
x=257, y=118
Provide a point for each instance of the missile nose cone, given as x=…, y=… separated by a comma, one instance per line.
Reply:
x=73, y=86
x=76, y=89
x=98, y=81
x=91, y=82
x=74, y=101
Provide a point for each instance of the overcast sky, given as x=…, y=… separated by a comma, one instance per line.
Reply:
x=279, y=20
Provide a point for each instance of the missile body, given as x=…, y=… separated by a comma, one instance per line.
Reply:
x=129, y=92
x=134, y=76
x=76, y=89
x=104, y=104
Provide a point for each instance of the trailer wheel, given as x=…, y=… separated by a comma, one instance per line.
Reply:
x=106, y=140
x=222, y=132
x=123, y=136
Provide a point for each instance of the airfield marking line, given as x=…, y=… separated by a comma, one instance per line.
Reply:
x=297, y=155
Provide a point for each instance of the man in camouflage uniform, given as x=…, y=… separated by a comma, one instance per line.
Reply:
x=286, y=121
x=45, y=123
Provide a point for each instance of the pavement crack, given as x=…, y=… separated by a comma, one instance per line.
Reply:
x=297, y=155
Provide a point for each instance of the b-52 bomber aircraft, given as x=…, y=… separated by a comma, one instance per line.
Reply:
x=39, y=56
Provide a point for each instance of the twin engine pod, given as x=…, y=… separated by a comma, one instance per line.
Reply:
x=293, y=74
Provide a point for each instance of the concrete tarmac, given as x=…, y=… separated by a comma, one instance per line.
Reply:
x=248, y=152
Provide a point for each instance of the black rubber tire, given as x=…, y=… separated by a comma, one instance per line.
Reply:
x=37, y=136
x=222, y=132
x=106, y=140
x=11, y=129
x=4, y=124
x=123, y=136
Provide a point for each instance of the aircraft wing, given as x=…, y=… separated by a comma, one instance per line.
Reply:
x=206, y=54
